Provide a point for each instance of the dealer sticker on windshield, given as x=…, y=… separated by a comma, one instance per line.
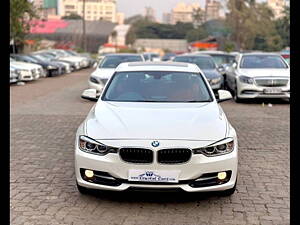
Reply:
x=170, y=176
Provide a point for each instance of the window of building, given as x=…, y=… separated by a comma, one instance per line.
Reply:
x=69, y=7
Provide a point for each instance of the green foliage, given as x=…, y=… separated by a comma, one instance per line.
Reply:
x=127, y=50
x=252, y=26
x=21, y=13
x=196, y=34
x=72, y=16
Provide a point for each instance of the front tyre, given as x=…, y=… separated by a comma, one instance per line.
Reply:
x=83, y=190
x=228, y=192
x=235, y=95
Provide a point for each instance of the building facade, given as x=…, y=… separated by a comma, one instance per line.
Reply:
x=94, y=9
x=183, y=12
x=277, y=7
x=212, y=10
x=150, y=14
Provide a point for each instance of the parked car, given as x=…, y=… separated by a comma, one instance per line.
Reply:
x=107, y=67
x=150, y=56
x=14, y=75
x=286, y=56
x=70, y=66
x=157, y=126
x=64, y=55
x=222, y=59
x=207, y=66
x=28, y=71
x=168, y=57
x=90, y=61
x=26, y=58
x=53, y=68
x=259, y=75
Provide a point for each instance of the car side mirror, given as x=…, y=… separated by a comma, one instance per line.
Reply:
x=95, y=65
x=224, y=95
x=234, y=65
x=90, y=94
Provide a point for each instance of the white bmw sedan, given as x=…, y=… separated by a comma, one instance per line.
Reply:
x=157, y=126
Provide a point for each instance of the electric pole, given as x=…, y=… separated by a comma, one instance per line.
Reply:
x=83, y=28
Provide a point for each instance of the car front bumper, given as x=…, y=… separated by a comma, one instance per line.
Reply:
x=252, y=91
x=189, y=171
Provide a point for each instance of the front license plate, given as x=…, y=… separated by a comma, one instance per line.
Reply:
x=272, y=90
x=169, y=176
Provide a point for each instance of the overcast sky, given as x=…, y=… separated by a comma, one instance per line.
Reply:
x=133, y=7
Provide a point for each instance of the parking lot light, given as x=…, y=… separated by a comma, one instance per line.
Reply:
x=222, y=175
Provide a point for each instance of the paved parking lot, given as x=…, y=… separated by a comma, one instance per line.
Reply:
x=44, y=117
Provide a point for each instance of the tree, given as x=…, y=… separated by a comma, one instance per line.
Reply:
x=198, y=17
x=72, y=16
x=283, y=27
x=21, y=13
x=196, y=34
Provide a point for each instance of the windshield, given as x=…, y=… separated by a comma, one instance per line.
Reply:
x=262, y=61
x=114, y=61
x=222, y=59
x=40, y=57
x=157, y=86
x=201, y=62
x=30, y=59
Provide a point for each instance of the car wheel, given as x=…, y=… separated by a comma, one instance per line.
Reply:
x=229, y=191
x=83, y=190
x=235, y=96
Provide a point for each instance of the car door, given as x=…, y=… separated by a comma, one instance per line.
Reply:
x=230, y=75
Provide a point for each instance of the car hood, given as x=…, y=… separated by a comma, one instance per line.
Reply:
x=180, y=121
x=265, y=72
x=104, y=73
x=211, y=73
x=23, y=65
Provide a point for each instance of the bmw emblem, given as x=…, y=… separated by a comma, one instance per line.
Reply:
x=155, y=143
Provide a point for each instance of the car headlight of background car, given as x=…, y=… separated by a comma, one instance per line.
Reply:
x=214, y=81
x=51, y=67
x=92, y=146
x=246, y=80
x=94, y=80
x=220, y=148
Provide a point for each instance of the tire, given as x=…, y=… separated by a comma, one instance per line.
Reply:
x=83, y=190
x=228, y=192
x=235, y=97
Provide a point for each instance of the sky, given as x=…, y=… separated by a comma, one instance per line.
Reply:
x=133, y=7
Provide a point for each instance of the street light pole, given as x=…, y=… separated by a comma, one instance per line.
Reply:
x=83, y=28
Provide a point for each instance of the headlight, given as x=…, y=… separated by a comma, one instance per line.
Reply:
x=220, y=148
x=245, y=79
x=214, y=81
x=94, y=80
x=51, y=67
x=92, y=146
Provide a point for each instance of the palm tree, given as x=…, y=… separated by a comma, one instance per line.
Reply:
x=198, y=17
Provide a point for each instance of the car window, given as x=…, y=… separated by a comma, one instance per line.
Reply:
x=201, y=62
x=114, y=61
x=222, y=59
x=157, y=86
x=262, y=61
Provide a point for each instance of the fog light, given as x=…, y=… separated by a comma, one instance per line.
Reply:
x=222, y=175
x=89, y=173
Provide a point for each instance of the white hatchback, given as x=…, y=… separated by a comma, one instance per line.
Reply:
x=157, y=126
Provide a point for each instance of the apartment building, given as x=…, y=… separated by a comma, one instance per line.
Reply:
x=212, y=10
x=277, y=6
x=94, y=9
x=183, y=12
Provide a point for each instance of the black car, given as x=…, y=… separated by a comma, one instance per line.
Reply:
x=207, y=66
x=54, y=68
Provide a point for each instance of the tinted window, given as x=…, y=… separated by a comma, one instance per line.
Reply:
x=201, y=62
x=114, y=61
x=157, y=86
x=222, y=59
x=262, y=61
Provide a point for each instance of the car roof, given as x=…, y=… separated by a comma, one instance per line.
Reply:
x=158, y=66
x=260, y=53
x=194, y=55
x=123, y=54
